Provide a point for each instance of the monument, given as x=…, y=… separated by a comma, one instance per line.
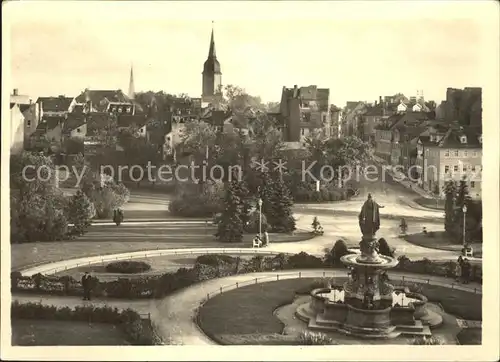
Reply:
x=367, y=305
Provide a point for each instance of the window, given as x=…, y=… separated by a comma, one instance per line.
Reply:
x=446, y=169
x=28, y=123
x=141, y=130
x=455, y=168
x=447, y=153
x=465, y=153
x=473, y=168
x=463, y=139
x=456, y=153
x=324, y=118
x=78, y=130
x=465, y=168
x=302, y=131
x=472, y=184
x=474, y=154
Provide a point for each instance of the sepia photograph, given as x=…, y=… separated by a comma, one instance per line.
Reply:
x=217, y=180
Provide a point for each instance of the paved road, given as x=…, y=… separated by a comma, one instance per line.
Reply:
x=174, y=315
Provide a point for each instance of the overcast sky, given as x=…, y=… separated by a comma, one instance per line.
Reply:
x=359, y=51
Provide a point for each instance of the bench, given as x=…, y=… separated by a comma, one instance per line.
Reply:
x=256, y=243
x=468, y=252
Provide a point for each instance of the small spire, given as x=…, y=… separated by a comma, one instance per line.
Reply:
x=131, y=86
x=211, y=51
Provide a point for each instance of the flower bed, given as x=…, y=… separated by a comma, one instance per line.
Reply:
x=208, y=267
x=138, y=332
x=128, y=267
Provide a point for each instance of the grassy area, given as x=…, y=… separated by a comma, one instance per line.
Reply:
x=27, y=332
x=441, y=241
x=436, y=204
x=248, y=311
x=470, y=336
x=239, y=316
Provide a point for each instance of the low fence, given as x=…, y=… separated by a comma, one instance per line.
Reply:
x=145, y=254
x=402, y=279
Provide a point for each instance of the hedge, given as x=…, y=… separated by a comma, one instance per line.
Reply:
x=137, y=331
x=128, y=267
x=209, y=267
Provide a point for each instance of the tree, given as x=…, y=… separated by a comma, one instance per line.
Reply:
x=450, y=192
x=80, y=212
x=37, y=205
x=106, y=196
x=230, y=226
x=338, y=251
x=277, y=204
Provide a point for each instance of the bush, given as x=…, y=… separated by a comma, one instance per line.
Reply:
x=128, y=267
x=215, y=259
x=106, y=198
x=432, y=340
x=190, y=202
x=337, y=252
x=304, y=261
x=129, y=320
x=384, y=248
x=303, y=194
x=314, y=338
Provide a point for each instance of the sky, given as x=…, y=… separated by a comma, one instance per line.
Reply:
x=360, y=51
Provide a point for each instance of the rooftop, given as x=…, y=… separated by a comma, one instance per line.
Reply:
x=55, y=104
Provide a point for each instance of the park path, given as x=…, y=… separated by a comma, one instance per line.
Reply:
x=174, y=316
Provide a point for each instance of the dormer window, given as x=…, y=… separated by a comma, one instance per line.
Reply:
x=463, y=139
x=480, y=139
x=431, y=138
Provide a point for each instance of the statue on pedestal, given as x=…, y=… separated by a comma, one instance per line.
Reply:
x=369, y=218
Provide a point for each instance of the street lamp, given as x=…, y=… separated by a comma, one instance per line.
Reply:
x=260, y=218
x=464, y=209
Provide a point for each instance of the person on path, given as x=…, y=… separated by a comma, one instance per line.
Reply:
x=466, y=269
x=86, y=284
x=458, y=269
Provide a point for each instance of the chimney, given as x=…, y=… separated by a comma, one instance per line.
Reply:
x=380, y=99
x=295, y=91
x=15, y=92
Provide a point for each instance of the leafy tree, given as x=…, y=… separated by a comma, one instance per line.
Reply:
x=338, y=251
x=230, y=226
x=106, y=196
x=80, y=212
x=37, y=205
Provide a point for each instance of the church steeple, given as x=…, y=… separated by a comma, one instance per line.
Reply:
x=212, y=75
x=131, y=87
x=211, y=51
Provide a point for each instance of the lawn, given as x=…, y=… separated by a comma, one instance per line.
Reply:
x=28, y=332
x=436, y=204
x=245, y=315
x=442, y=242
x=470, y=336
x=246, y=312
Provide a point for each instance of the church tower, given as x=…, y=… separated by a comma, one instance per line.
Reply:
x=131, y=87
x=212, y=76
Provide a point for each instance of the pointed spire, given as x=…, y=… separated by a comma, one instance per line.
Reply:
x=211, y=51
x=131, y=87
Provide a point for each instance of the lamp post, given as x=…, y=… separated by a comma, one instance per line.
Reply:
x=464, y=209
x=260, y=218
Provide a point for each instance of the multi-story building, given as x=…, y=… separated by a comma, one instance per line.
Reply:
x=303, y=111
x=455, y=155
x=335, y=121
x=108, y=101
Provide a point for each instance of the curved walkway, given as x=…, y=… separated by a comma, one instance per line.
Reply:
x=174, y=316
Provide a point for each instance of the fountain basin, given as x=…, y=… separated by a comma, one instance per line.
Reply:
x=327, y=310
x=380, y=262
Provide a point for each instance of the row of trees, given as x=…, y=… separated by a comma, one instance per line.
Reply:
x=456, y=197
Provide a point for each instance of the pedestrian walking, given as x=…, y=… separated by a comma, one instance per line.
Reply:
x=86, y=284
x=466, y=269
x=458, y=270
